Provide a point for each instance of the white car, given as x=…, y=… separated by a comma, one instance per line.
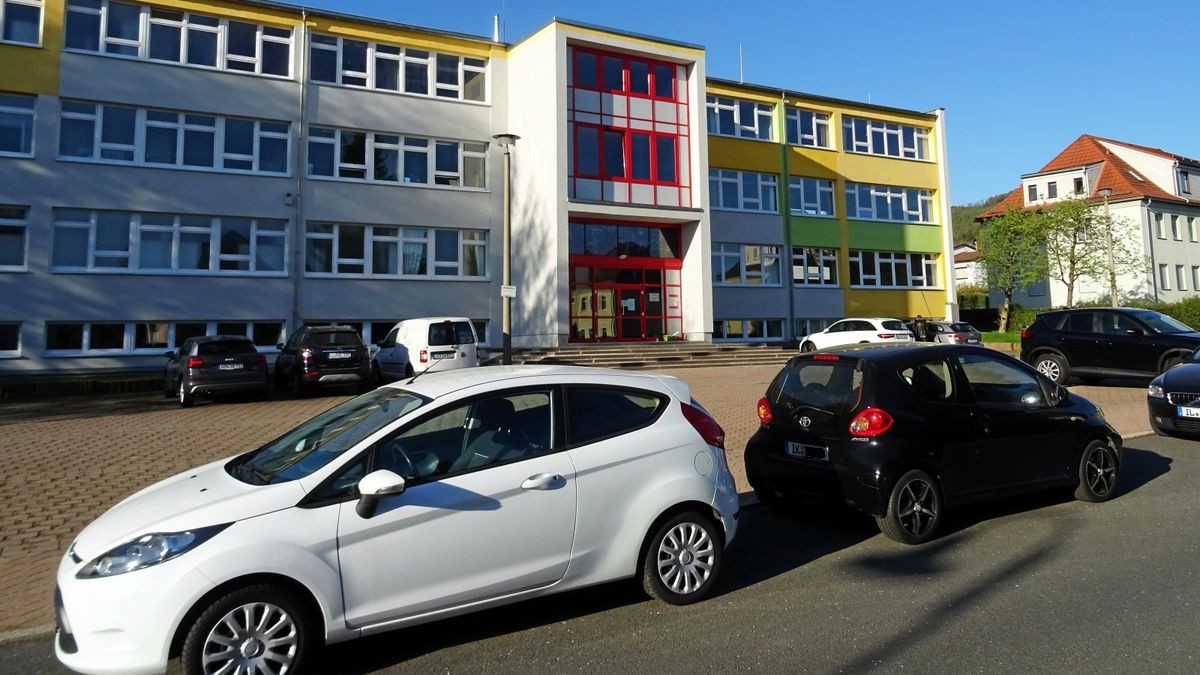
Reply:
x=857, y=331
x=460, y=491
x=432, y=343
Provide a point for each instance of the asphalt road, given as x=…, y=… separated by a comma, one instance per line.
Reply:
x=1042, y=584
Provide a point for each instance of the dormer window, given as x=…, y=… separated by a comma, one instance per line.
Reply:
x=1033, y=193
x=1185, y=183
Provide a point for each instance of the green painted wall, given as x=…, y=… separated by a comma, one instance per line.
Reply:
x=823, y=232
x=878, y=236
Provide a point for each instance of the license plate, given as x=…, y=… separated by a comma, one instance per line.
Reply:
x=340, y=355
x=437, y=356
x=1185, y=411
x=972, y=341
x=230, y=366
x=805, y=451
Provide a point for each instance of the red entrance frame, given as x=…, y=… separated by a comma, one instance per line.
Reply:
x=671, y=302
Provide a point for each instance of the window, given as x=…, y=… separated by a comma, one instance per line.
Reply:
x=1164, y=277
x=748, y=329
x=1077, y=186
x=1180, y=278
x=814, y=266
x=810, y=196
x=160, y=34
x=21, y=21
x=1158, y=225
x=158, y=243
x=16, y=124
x=10, y=339
x=994, y=382
x=807, y=127
x=875, y=137
x=609, y=239
x=14, y=238
x=595, y=413
x=886, y=202
x=150, y=337
x=1185, y=183
x=932, y=381
x=745, y=264
x=742, y=190
x=391, y=158
x=1051, y=190
x=391, y=251
x=884, y=269
x=624, y=75
x=1196, y=277
x=803, y=327
x=167, y=138
x=742, y=119
x=1033, y=193
x=1193, y=233
x=1176, y=233
x=386, y=67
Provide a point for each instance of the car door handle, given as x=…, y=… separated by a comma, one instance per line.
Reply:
x=542, y=481
x=985, y=423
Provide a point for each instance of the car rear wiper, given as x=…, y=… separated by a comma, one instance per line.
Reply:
x=431, y=367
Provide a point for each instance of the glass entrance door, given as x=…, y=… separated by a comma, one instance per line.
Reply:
x=644, y=307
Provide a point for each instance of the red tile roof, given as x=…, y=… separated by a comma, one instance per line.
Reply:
x=966, y=256
x=1115, y=174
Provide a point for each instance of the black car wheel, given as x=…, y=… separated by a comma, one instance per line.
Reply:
x=1097, y=473
x=914, y=509
x=1053, y=366
x=1171, y=362
x=807, y=347
x=257, y=629
x=186, y=397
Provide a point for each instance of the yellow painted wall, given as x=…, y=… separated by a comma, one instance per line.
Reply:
x=733, y=153
x=34, y=70
x=898, y=303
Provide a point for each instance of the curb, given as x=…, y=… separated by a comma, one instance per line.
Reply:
x=26, y=634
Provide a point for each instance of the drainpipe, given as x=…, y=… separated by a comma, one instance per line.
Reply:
x=785, y=205
x=298, y=166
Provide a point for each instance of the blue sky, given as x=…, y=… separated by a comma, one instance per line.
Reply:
x=1019, y=80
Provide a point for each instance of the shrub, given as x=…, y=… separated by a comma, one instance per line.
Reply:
x=972, y=297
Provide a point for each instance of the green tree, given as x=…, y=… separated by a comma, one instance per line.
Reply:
x=1010, y=250
x=1084, y=240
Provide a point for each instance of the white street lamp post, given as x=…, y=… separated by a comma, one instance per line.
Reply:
x=507, y=141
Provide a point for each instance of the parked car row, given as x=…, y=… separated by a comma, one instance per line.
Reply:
x=318, y=356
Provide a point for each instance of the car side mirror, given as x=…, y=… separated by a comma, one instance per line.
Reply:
x=1059, y=394
x=1134, y=332
x=375, y=486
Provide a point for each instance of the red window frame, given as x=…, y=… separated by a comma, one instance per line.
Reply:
x=627, y=176
x=652, y=66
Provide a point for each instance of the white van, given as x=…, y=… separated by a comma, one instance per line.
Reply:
x=416, y=345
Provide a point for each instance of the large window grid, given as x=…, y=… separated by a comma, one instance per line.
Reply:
x=16, y=124
x=740, y=118
x=748, y=329
x=171, y=36
x=14, y=238
x=810, y=196
x=384, y=67
x=67, y=338
x=335, y=249
x=160, y=243
x=814, y=266
x=111, y=133
x=805, y=327
x=745, y=265
x=885, y=269
x=21, y=22
x=808, y=128
x=888, y=139
x=888, y=202
x=347, y=154
x=743, y=190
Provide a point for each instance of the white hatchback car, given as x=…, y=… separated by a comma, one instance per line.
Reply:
x=857, y=331
x=460, y=491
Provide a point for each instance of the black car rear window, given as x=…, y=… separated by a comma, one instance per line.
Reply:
x=450, y=333
x=223, y=347
x=341, y=338
x=833, y=386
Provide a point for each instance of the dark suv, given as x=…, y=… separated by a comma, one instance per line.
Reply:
x=320, y=355
x=900, y=432
x=214, y=364
x=1094, y=343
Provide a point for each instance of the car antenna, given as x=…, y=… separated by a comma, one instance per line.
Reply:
x=454, y=347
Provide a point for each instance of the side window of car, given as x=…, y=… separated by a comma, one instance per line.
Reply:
x=994, y=381
x=485, y=432
x=1080, y=322
x=1112, y=323
x=390, y=340
x=930, y=381
x=597, y=413
x=294, y=340
x=838, y=327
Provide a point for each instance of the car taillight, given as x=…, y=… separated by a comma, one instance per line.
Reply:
x=195, y=362
x=870, y=422
x=764, y=411
x=956, y=338
x=825, y=357
x=262, y=359
x=424, y=356
x=706, y=426
x=886, y=336
x=306, y=353
x=1025, y=335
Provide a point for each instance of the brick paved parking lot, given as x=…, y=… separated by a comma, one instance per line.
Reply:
x=66, y=462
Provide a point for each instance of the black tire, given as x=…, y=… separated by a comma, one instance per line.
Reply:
x=1097, y=473
x=807, y=347
x=914, y=509
x=673, y=568
x=1170, y=362
x=186, y=397
x=292, y=618
x=1054, y=367
x=376, y=374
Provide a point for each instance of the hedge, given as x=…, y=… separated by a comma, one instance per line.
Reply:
x=1187, y=311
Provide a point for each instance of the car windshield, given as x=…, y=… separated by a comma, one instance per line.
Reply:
x=450, y=333
x=222, y=347
x=894, y=325
x=319, y=441
x=1161, y=323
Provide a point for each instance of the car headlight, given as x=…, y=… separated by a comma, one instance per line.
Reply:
x=1155, y=391
x=146, y=551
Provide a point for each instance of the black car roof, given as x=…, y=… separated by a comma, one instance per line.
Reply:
x=883, y=353
x=220, y=338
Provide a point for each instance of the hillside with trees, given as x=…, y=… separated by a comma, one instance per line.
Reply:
x=966, y=230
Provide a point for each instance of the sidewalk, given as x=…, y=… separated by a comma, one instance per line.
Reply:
x=68, y=461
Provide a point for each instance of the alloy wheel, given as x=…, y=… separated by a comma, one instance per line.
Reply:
x=1050, y=369
x=917, y=507
x=254, y=638
x=1100, y=471
x=686, y=557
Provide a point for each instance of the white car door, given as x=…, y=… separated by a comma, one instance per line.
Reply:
x=834, y=335
x=490, y=512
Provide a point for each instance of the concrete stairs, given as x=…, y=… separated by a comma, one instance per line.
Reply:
x=660, y=355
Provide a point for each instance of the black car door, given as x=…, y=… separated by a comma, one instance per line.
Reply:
x=1128, y=345
x=947, y=428
x=1020, y=439
x=1079, y=341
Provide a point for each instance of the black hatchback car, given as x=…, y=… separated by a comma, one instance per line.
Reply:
x=901, y=432
x=1094, y=343
x=1173, y=400
x=323, y=355
x=214, y=364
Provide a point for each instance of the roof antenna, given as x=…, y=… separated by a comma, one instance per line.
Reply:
x=495, y=28
x=741, y=72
